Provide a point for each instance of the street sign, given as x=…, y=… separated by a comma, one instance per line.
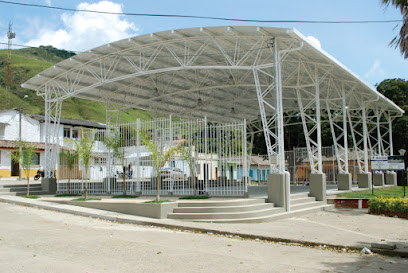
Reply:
x=387, y=163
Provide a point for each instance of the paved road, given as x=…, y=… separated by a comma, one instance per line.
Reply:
x=34, y=240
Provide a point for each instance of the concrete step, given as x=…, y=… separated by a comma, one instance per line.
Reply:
x=20, y=185
x=299, y=195
x=306, y=205
x=274, y=217
x=20, y=189
x=220, y=203
x=251, y=207
x=230, y=215
x=23, y=193
x=300, y=200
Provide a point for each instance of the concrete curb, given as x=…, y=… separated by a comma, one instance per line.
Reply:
x=123, y=218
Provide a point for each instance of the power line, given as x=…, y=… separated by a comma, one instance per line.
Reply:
x=204, y=17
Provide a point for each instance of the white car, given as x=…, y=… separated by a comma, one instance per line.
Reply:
x=173, y=173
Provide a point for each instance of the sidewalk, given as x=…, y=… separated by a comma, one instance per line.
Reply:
x=353, y=229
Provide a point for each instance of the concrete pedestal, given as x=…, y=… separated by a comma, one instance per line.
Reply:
x=49, y=185
x=364, y=180
x=277, y=189
x=391, y=178
x=378, y=179
x=344, y=182
x=317, y=186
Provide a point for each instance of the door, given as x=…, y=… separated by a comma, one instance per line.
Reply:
x=15, y=167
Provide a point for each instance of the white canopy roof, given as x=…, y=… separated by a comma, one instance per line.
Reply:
x=207, y=71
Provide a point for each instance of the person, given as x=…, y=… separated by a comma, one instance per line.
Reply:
x=130, y=170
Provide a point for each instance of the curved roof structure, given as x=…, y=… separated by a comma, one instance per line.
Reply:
x=209, y=72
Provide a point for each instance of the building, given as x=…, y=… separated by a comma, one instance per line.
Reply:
x=32, y=130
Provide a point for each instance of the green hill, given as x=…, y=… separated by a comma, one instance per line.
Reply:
x=28, y=62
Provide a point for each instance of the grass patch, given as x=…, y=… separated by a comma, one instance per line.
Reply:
x=67, y=194
x=88, y=199
x=31, y=196
x=194, y=197
x=125, y=196
x=385, y=192
x=158, y=202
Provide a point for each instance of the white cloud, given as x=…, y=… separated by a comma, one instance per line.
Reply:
x=82, y=31
x=48, y=2
x=376, y=72
x=314, y=41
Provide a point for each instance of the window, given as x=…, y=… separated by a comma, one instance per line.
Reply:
x=36, y=159
x=99, y=160
x=2, y=130
x=67, y=132
x=75, y=134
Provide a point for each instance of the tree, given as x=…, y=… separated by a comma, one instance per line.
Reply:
x=83, y=147
x=186, y=154
x=26, y=159
x=397, y=91
x=159, y=158
x=402, y=39
x=115, y=142
x=69, y=158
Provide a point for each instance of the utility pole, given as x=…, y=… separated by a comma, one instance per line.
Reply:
x=10, y=35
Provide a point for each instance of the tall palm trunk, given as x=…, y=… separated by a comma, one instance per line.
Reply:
x=86, y=183
x=158, y=186
x=28, y=185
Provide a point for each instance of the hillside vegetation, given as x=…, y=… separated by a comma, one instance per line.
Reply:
x=28, y=62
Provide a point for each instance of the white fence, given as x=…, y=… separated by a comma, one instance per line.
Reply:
x=210, y=159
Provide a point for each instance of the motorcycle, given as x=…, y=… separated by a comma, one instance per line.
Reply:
x=40, y=173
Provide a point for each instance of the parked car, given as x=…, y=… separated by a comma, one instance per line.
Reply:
x=173, y=173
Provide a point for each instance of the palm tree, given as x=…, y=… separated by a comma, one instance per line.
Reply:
x=159, y=158
x=26, y=159
x=69, y=159
x=186, y=154
x=402, y=39
x=115, y=142
x=83, y=148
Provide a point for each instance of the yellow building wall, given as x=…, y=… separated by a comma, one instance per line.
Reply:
x=5, y=173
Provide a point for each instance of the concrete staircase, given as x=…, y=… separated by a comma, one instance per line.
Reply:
x=244, y=210
x=20, y=188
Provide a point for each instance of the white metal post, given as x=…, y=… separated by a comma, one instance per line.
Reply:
x=318, y=124
x=279, y=107
x=390, y=134
x=345, y=134
x=379, y=137
x=365, y=136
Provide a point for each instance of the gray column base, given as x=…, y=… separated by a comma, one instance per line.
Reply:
x=277, y=189
x=344, y=182
x=317, y=186
x=49, y=185
x=378, y=179
x=364, y=180
x=391, y=178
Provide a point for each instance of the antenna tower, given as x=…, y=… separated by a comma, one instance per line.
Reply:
x=10, y=35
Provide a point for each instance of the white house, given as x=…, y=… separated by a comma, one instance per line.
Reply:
x=32, y=130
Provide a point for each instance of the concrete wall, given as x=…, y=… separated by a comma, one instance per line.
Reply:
x=158, y=211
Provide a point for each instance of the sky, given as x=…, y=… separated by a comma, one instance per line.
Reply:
x=363, y=48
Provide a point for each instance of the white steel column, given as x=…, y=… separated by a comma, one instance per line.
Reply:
x=52, y=137
x=379, y=137
x=319, y=128
x=345, y=134
x=365, y=137
x=279, y=107
x=391, y=147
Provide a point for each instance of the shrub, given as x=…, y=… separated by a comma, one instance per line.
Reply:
x=381, y=205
